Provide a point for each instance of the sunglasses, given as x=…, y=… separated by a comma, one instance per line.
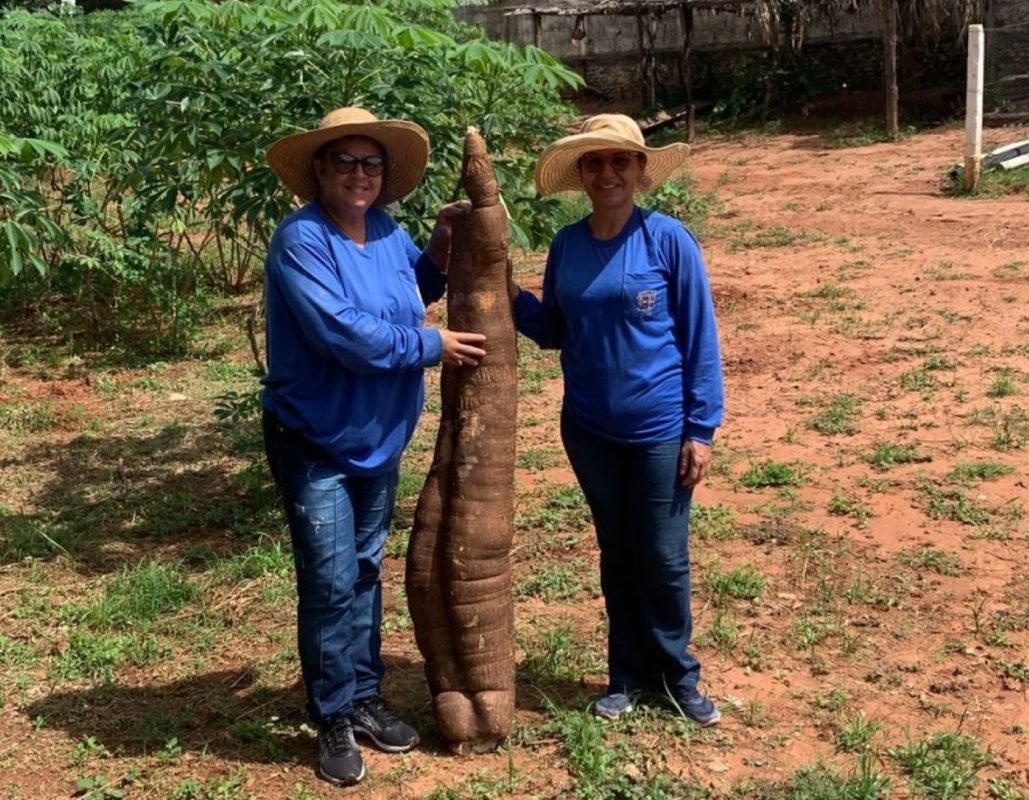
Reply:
x=344, y=164
x=620, y=162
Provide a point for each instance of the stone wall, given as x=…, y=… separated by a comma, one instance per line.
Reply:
x=605, y=50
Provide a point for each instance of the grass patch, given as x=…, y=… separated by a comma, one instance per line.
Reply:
x=772, y=473
x=743, y=583
x=838, y=417
x=886, y=455
x=930, y=559
x=559, y=508
x=138, y=596
x=776, y=236
x=942, y=766
x=713, y=522
x=972, y=471
x=951, y=504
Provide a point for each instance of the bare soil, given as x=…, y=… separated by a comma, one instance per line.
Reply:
x=897, y=591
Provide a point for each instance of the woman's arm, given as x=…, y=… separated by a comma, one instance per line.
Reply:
x=335, y=327
x=540, y=319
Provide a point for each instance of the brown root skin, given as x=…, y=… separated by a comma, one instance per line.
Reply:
x=459, y=570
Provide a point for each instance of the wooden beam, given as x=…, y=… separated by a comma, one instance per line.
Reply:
x=889, y=20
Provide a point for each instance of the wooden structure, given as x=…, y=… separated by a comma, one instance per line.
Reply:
x=648, y=15
x=783, y=26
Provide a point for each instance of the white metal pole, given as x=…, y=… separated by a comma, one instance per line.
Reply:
x=974, y=108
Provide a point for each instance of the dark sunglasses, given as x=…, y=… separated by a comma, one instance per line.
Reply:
x=344, y=164
x=620, y=162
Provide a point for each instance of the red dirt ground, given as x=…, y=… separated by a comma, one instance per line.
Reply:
x=836, y=271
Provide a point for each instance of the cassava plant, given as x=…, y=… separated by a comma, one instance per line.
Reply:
x=164, y=111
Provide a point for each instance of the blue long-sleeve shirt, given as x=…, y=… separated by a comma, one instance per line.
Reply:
x=635, y=323
x=346, y=344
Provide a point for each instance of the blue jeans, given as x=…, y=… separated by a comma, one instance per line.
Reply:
x=338, y=524
x=641, y=514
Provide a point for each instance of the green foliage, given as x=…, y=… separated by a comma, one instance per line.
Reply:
x=885, y=455
x=837, y=417
x=679, y=198
x=743, y=583
x=713, y=522
x=771, y=473
x=136, y=596
x=943, y=766
x=133, y=179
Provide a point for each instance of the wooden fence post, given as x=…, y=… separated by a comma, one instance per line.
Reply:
x=974, y=109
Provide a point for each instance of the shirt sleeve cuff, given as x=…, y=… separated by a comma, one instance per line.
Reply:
x=432, y=346
x=700, y=433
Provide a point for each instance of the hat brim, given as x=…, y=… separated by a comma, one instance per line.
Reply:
x=558, y=171
x=406, y=146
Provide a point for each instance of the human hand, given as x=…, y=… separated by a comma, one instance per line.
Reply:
x=462, y=349
x=694, y=463
x=443, y=233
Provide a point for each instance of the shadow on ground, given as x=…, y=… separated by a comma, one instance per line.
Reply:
x=118, y=498
x=226, y=713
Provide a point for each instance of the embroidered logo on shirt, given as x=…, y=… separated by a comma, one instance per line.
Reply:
x=646, y=302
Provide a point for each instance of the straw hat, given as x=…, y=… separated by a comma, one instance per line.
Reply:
x=558, y=170
x=406, y=146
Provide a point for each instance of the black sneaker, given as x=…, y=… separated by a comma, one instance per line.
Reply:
x=373, y=718
x=339, y=760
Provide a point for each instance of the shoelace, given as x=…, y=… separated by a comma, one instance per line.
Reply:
x=338, y=737
x=381, y=713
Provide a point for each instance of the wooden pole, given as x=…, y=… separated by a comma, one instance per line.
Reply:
x=974, y=109
x=686, y=22
x=889, y=14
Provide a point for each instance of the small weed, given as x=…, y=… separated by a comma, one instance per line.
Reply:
x=771, y=473
x=1012, y=270
x=776, y=236
x=837, y=417
x=945, y=271
x=87, y=749
x=537, y=458
x=743, y=583
x=722, y=635
x=943, y=766
x=553, y=582
x=28, y=418
x=843, y=505
x=562, y=508
x=886, y=455
x=952, y=504
x=1011, y=430
x=933, y=560
x=969, y=472
x=1018, y=670
x=918, y=380
x=1003, y=386
x=856, y=733
x=713, y=522
x=137, y=596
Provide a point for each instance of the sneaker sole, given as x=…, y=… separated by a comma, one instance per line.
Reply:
x=612, y=717
x=383, y=746
x=708, y=721
x=339, y=781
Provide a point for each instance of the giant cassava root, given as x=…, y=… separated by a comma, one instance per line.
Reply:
x=458, y=566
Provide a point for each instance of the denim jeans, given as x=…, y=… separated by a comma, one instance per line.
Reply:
x=338, y=525
x=641, y=514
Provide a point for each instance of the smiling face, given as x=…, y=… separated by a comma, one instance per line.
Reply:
x=348, y=194
x=611, y=177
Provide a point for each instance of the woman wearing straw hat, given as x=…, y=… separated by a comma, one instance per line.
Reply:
x=346, y=289
x=627, y=301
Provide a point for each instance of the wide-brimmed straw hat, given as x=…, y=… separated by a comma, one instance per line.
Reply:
x=406, y=146
x=558, y=168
